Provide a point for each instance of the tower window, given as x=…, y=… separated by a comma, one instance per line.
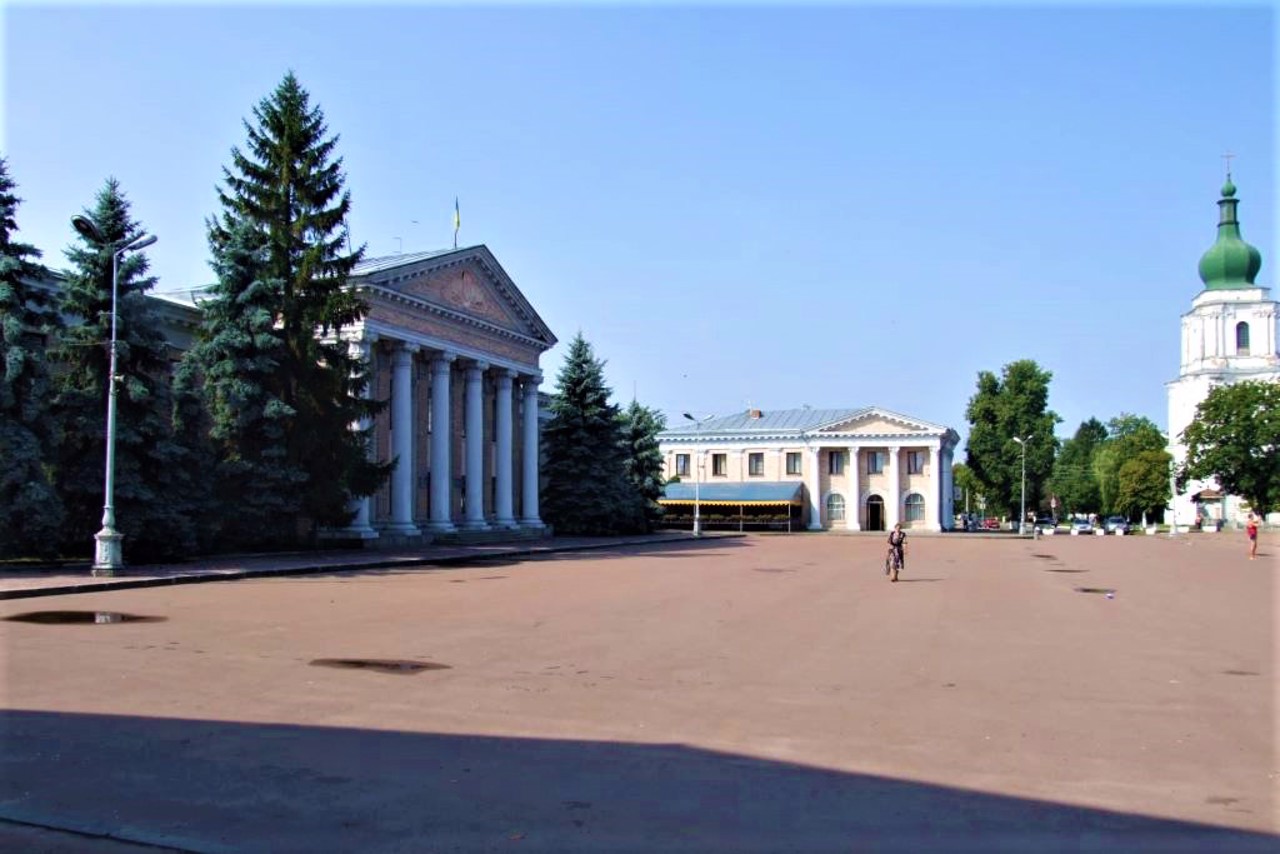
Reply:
x=1242, y=339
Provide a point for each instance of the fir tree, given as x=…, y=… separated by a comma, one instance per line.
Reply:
x=589, y=492
x=230, y=370
x=288, y=187
x=640, y=428
x=155, y=486
x=33, y=509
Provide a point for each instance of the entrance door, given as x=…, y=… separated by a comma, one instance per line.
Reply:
x=875, y=513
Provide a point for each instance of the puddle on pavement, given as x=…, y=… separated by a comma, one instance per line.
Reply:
x=1066, y=570
x=768, y=569
x=63, y=618
x=1095, y=590
x=1242, y=673
x=379, y=665
x=1045, y=557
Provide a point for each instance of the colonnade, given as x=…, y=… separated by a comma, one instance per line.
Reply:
x=406, y=422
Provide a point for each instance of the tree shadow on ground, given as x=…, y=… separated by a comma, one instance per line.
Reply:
x=230, y=786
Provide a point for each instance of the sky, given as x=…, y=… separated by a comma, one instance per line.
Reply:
x=738, y=205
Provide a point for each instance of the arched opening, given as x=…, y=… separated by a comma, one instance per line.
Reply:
x=875, y=513
x=914, y=508
x=835, y=508
x=1242, y=339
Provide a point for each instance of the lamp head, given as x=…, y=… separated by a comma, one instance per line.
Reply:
x=141, y=242
x=85, y=227
x=690, y=417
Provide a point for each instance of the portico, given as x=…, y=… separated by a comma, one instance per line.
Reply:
x=453, y=347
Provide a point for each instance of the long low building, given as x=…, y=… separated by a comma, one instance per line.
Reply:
x=454, y=347
x=853, y=469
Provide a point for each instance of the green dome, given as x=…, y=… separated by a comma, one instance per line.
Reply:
x=1230, y=263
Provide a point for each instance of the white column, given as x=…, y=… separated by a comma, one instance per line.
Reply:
x=475, y=446
x=530, y=480
x=441, y=476
x=402, y=440
x=893, y=512
x=948, y=493
x=502, y=468
x=815, y=483
x=934, y=502
x=854, y=502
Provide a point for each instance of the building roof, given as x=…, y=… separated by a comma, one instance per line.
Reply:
x=751, y=492
x=781, y=421
x=369, y=266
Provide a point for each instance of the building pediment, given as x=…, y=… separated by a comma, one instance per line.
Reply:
x=466, y=283
x=880, y=422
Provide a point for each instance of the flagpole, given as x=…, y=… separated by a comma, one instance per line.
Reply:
x=457, y=221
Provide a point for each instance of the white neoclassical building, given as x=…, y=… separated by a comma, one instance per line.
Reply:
x=1228, y=336
x=856, y=469
x=454, y=347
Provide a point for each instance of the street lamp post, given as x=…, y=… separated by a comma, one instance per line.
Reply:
x=1022, y=514
x=697, y=474
x=107, y=554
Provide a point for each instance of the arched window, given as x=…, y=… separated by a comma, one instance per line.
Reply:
x=915, y=507
x=835, y=508
x=1242, y=339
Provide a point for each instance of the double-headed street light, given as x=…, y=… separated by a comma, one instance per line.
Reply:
x=1022, y=517
x=108, y=555
x=697, y=465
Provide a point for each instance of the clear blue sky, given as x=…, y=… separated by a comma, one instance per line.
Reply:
x=833, y=205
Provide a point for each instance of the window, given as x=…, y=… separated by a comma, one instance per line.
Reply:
x=915, y=462
x=835, y=462
x=835, y=508
x=793, y=462
x=719, y=465
x=682, y=465
x=1242, y=339
x=755, y=465
x=875, y=462
x=915, y=507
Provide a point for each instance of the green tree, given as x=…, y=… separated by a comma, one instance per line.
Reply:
x=1128, y=436
x=1235, y=438
x=288, y=187
x=1143, y=484
x=154, y=488
x=1012, y=405
x=228, y=381
x=589, y=491
x=33, y=509
x=640, y=428
x=1074, y=482
x=969, y=485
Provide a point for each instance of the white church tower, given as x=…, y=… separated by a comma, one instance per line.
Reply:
x=1229, y=335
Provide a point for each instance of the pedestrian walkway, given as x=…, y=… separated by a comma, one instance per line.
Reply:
x=22, y=582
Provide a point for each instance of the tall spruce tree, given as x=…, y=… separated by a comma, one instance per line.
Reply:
x=589, y=492
x=288, y=187
x=226, y=380
x=155, y=486
x=33, y=509
x=640, y=428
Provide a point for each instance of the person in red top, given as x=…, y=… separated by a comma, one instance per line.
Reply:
x=1251, y=529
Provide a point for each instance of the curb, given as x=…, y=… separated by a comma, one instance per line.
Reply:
x=311, y=569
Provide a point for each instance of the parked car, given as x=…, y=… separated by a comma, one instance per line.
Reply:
x=1045, y=522
x=1116, y=524
x=1082, y=526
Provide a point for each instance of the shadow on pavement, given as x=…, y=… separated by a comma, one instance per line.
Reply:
x=226, y=786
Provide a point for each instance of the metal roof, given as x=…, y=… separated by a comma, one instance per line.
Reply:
x=749, y=492
x=784, y=420
x=369, y=266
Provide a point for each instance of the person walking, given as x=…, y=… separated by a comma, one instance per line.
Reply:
x=897, y=551
x=1251, y=530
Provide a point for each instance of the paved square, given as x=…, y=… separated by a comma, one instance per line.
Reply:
x=760, y=693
